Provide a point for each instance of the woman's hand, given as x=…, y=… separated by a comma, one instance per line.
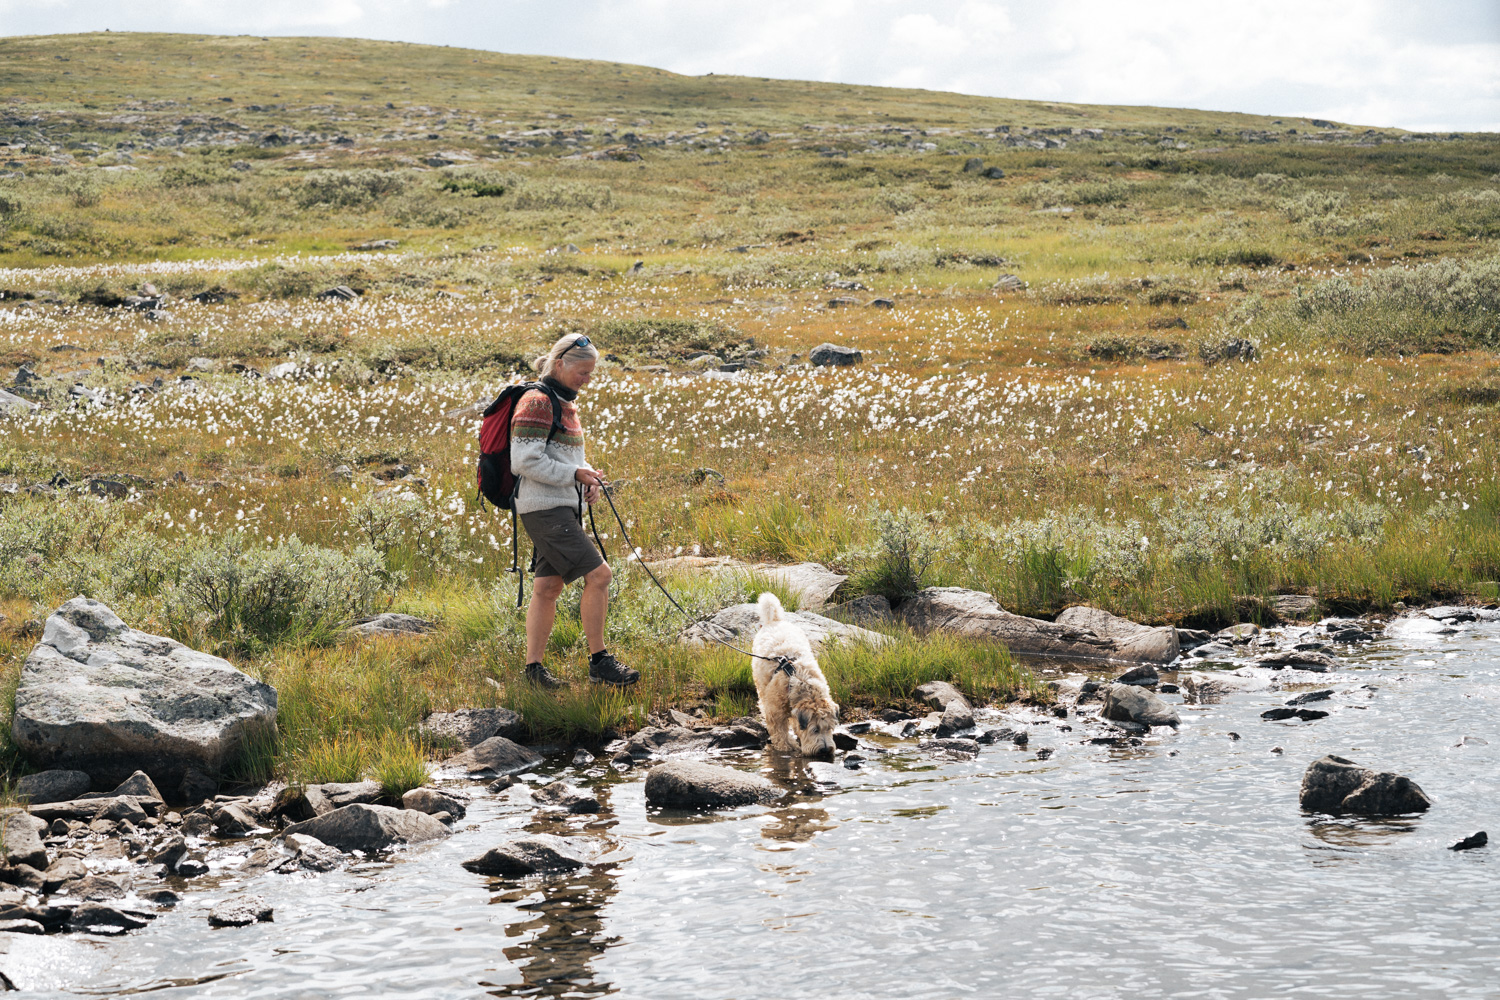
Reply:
x=593, y=483
x=591, y=494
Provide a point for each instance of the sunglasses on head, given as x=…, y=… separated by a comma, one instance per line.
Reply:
x=580, y=342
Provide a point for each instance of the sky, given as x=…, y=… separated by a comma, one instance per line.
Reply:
x=1426, y=65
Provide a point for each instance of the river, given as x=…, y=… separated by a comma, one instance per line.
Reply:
x=1179, y=867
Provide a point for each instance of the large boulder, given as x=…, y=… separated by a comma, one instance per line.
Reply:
x=834, y=354
x=469, y=727
x=371, y=828
x=498, y=756
x=738, y=624
x=1137, y=642
x=1132, y=703
x=100, y=697
x=532, y=854
x=813, y=583
x=1335, y=785
x=687, y=784
x=977, y=615
x=52, y=786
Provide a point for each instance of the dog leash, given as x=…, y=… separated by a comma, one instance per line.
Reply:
x=783, y=663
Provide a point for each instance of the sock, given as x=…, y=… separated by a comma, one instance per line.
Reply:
x=538, y=663
x=596, y=657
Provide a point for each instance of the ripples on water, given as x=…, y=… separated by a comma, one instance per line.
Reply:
x=1181, y=867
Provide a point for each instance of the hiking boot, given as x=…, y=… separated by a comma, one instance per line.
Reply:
x=605, y=669
x=541, y=676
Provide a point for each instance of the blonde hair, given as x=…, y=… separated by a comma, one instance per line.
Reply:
x=566, y=344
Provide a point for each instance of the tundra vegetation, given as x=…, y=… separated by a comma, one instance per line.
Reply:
x=1167, y=362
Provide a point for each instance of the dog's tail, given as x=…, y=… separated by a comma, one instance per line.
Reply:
x=770, y=609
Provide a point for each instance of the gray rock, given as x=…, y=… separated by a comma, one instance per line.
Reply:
x=1145, y=675
x=471, y=726
x=1191, y=638
x=977, y=615
x=561, y=795
x=21, y=838
x=61, y=871
x=20, y=926
x=1210, y=689
x=52, y=786
x=240, y=911
x=23, y=877
x=813, y=583
x=938, y=694
x=171, y=853
x=1129, y=703
x=339, y=292
x=349, y=793
x=235, y=819
x=1335, y=785
x=684, y=784
x=1299, y=659
x=96, y=889
x=202, y=365
x=960, y=749
x=742, y=621
x=834, y=354
x=97, y=918
x=496, y=755
x=957, y=717
x=10, y=401
x=299, y=804
x=287, y=369
x=433, y=801
x=312, y=854
x=742, y=733
x=1137, y=642
x=371, y=828
x=196, y=786
x=534, y=854
x=394, y=624
x=108, y=700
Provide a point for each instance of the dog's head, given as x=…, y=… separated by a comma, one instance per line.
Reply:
x=815, y=716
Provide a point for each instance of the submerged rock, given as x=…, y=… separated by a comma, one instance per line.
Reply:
x=1335, y=785
x=108, y=700
x=363, y=827
x=1210, y=689
x=1299, y=659
x=1129, y=703
x=534, y=854
x=684, y=784
x=97, y=918
x=240, y=912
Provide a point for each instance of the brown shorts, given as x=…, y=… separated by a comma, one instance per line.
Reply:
x=560, y=546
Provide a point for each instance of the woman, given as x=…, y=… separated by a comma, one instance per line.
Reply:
x=554, y=481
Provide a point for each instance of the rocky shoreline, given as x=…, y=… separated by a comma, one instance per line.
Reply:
x=105, y=862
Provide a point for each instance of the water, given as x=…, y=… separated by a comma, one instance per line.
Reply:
x=1181, y=867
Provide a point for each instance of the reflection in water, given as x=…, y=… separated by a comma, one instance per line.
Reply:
x=559, y=943
x=1352, y=835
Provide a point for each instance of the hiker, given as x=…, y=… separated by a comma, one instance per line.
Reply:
x=554, y=481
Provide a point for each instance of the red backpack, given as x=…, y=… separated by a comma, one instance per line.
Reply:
x=497, y=483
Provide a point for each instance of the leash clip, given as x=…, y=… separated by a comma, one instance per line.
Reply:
x=786, y=666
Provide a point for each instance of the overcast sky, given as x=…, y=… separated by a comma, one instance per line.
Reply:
x=1417, y=64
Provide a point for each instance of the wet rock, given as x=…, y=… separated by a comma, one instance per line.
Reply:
x=1019, y=737
x=235, y=819
x=298, y=804
x=1213, y=650
x=1238, y=635
x=312, y=854
x=844, y=742
x=1190, y=638
x=61, y=828
x=191, y=868
x=363, y=827
x=52, y=786
x=866, y=610
x=393, y=624
x=533, y=854
x=197, y=824
x=955, y=747
x=1045, y=753
x=138, y=786
x=682, y=784
x=171, y=853
x=98, y=918
x=472, y=726
x=496, y=755
x=939, y=694
x=240, y=911
x=582, y=758
x=957, y=717
x=742, y=621
x=62, y=871
x=123, y=808
x=834, y=354
x=18, y=926
x=1307, y=698
x=977, y=615
x=23, y=877
x=1210, y=689
x=1137, y=642
x=1298, y=659
x=1129, y=703
x=1144, y=675
x=21, y=838
x=432, y=801
x=1335, y=785
x=1479, y=839
x=561, y=795
x=161, y=897
x=743, y=733
x=102, y=698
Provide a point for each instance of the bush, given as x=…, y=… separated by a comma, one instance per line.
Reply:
x=478, y=182
x=903, y=553
x=349, y=188
x=552, y=195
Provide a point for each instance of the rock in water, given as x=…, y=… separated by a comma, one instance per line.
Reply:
x=957, y=718
x=52, y=786
x=685, y=784
x=96, y=918
x=1470, y=843
x=529, y=855
x=371, y=828
x=937, y=694
x=103, y=698
x=1210, y=689
x=1136, y=641
x=21, y=839
x=1129, y=703
x=433, y=801
x=561, y=795
x=496, y=755
x=1335, y=785
x=239, y=912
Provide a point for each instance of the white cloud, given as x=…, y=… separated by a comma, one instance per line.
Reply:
x=1434, y=65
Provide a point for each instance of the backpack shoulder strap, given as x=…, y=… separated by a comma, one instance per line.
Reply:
x=556, y=408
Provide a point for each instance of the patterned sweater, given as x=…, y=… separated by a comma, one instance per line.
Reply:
x=545, y=469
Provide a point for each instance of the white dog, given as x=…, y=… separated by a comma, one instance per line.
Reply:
x=790, y=685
